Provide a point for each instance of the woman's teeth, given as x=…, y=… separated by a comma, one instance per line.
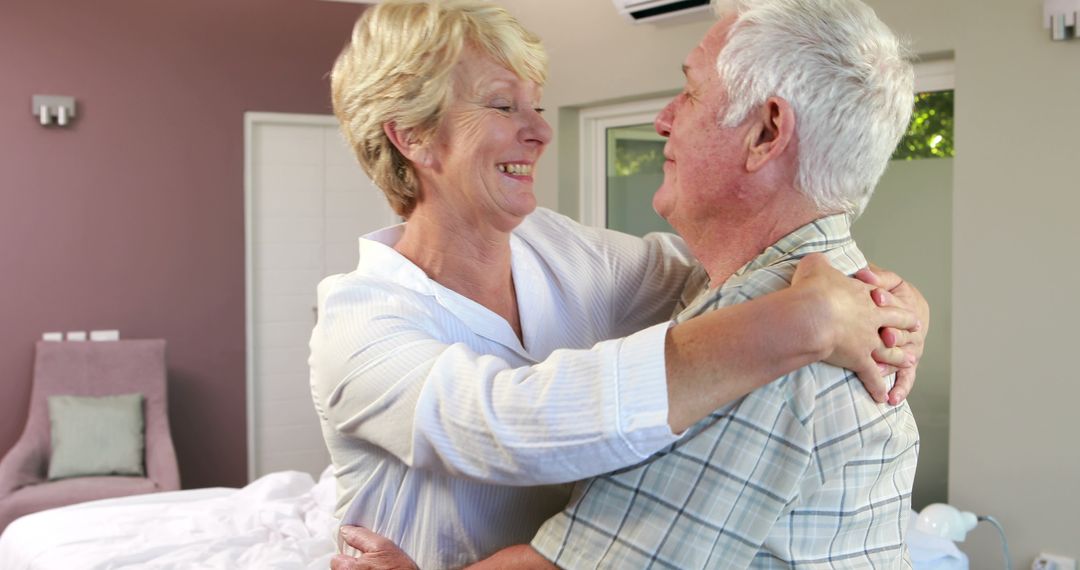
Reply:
x=516, y=169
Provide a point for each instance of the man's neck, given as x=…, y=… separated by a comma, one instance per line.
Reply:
x=725, y=246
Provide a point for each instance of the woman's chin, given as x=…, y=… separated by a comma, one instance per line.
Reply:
x=514, y=211
x=525, y=204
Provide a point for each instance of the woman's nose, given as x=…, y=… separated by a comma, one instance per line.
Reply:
x=537, y=129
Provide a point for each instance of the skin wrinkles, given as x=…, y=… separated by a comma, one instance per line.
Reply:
x=493, y=121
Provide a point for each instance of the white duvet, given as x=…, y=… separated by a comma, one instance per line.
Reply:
x=283, y=520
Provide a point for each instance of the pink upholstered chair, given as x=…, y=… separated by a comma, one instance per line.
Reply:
x=88, y=369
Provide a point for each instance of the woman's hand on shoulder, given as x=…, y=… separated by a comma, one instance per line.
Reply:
x=892, y=290
x=852, y=324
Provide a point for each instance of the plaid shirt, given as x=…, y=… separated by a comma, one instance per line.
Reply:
x=806, y=471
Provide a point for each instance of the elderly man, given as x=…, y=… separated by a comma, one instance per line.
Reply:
x=790, y=112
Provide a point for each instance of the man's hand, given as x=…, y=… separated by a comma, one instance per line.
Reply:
x=379, y=553
x=376, y=552
x=900, y=294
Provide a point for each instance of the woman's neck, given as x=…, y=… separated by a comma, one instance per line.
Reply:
x=470, y=260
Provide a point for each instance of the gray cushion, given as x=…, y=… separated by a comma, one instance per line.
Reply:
x=96, y=436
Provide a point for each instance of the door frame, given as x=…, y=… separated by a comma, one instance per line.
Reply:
x=252, y=120
x=593, y=124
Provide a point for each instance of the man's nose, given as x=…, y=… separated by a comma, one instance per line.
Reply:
x=662, y=124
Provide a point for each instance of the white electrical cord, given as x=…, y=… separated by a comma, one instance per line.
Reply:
x=1004, y=541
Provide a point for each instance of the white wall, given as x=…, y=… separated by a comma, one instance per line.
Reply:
x=1016, y=194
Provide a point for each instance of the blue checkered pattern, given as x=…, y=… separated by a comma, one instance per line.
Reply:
x=805, y=472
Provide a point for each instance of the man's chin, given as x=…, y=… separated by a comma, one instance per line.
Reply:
x=661, y=204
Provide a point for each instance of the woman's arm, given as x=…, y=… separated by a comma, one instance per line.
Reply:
x=379, y=375
x=642, y=273
x=822, y=316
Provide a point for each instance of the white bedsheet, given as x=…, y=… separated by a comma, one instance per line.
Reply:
x=282, y=521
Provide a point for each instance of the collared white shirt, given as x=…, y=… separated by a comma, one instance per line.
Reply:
x=431, y=406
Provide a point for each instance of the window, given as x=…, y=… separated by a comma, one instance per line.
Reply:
x=930, y=134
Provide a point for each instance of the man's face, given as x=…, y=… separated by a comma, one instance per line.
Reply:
x=703, y=159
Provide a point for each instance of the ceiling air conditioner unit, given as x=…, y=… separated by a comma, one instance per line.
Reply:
x=652, y=10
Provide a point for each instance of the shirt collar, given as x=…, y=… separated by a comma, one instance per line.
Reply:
x=830, y=234
x=379, y=259
x=822, y=234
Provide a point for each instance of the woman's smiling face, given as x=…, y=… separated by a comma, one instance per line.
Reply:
x=485, y=149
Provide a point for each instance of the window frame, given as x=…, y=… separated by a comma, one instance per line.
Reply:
x=593, y=123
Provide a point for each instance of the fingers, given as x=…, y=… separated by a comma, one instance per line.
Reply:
x=905, y=381
x=894, y=357
x=885, y=300
x=886, y=279
x=868, y=276
x=910, y=341
x=870, y=375
x=885, y=369
x=897, y=318
x=811, y=265
x=890, y=337
x=342, y=562
x=359, y=538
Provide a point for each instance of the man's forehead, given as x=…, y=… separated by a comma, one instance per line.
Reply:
x=706, y=51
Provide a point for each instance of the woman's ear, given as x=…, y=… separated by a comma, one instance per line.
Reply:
x=771, y=133
x=411, y=147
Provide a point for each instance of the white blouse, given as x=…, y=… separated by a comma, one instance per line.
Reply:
x=446, y=432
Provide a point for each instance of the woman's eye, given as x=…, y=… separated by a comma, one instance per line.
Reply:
x=503, y=108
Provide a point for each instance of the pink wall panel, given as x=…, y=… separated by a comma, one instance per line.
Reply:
x=133, y=219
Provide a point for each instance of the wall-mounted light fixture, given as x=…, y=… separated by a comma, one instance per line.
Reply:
x=1060, y=17
x=53, y=109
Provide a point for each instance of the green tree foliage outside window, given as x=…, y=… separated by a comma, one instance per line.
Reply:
x=930, y=134
x=636, y=156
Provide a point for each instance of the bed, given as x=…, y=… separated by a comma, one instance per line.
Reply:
x=283, y=520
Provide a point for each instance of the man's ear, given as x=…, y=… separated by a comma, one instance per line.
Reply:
x=771, y=133
x=411, y=147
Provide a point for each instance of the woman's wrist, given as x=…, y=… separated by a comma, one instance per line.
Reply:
x=813, y=320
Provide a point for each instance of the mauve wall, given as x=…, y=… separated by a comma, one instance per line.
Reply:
x=134, y=218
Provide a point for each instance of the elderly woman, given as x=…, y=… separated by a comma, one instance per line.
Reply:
x=486, y=351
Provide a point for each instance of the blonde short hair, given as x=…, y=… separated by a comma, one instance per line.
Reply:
x=397, y=68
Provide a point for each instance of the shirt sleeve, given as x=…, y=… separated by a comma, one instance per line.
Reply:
x=380, y=372
x=641, y=278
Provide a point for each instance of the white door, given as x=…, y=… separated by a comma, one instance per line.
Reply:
x=306, y=202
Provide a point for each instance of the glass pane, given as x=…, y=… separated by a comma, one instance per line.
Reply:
x=930, y=134
x=635, y=169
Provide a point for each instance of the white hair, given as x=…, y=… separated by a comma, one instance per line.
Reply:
x=846, y=76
